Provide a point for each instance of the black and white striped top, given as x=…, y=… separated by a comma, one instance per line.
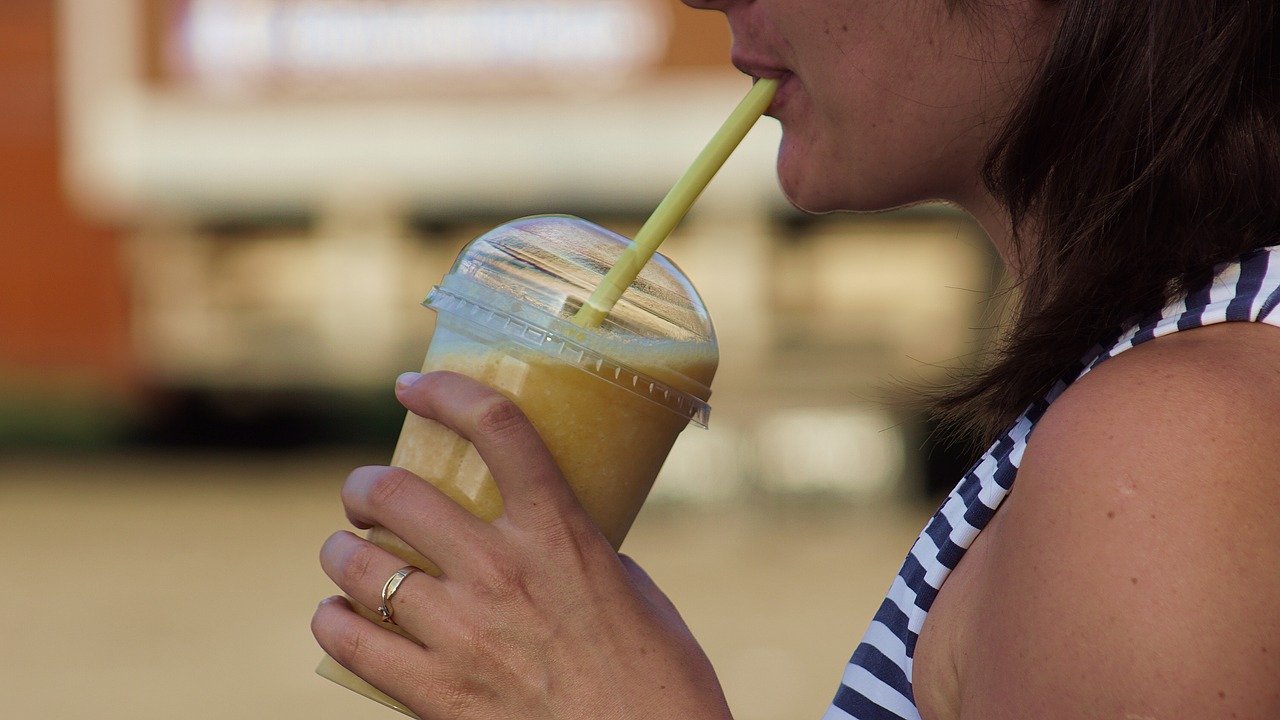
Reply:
x=877, y=681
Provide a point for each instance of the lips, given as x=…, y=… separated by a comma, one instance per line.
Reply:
x=761, y=70
x=758, y=68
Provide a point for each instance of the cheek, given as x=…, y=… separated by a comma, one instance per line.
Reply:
x=884, y=117
x=883, y=152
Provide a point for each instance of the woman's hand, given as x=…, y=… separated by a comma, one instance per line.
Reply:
x=534, y=615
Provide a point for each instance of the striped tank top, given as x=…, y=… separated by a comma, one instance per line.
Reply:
x=877, y=682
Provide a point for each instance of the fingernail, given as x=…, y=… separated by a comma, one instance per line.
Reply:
x=407, y=380
x=333, y=600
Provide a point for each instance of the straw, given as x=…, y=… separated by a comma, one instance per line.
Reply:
x=676, y=204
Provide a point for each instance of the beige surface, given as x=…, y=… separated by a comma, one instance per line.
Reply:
x=146, y=587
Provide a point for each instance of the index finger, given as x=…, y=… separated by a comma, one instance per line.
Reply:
x=527, y=476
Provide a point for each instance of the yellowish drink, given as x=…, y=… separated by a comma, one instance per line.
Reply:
x=608, y=398
x=608, y=441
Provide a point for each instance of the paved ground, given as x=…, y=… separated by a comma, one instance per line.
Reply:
x=150, y=587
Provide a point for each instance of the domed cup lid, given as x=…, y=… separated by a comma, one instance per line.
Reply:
x=526, y=280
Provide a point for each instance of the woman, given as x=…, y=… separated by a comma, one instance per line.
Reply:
x=1124, y=157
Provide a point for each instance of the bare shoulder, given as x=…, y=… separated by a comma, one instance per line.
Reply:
x=1208, y=394
x=1132, y=571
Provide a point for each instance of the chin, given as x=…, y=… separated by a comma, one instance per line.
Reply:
x=814, y=203
x=818, y=188
x=809, y=192
x=820, y=198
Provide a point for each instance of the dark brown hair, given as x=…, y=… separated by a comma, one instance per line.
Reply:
x=1146, y=152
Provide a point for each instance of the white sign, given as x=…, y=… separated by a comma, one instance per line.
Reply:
x=244, y=42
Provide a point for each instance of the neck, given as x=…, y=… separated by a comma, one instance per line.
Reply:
x=995, y=221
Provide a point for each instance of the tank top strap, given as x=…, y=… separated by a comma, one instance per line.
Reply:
x=1244, y=290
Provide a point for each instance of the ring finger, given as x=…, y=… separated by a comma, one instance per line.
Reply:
x=361, y=569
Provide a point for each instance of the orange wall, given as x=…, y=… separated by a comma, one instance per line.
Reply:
x=62, y=290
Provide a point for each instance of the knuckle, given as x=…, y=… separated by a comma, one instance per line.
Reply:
x=499, y=416
x=497, y=576
x=574, y=537
x=456, y=698
x=432, y=382
x=424, y=395
x=388, y=487
x=359, y=563
x=351, y=647
x=575, y=553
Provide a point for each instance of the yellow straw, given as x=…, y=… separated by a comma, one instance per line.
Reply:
x=676, y=204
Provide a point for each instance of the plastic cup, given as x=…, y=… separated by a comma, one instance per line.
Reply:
x=609, y=401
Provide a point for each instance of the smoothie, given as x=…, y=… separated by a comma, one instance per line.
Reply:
x=608, y=440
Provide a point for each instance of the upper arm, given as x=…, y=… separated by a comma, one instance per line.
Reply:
x=1134, y=571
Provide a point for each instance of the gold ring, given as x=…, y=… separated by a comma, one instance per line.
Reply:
x=389, y=589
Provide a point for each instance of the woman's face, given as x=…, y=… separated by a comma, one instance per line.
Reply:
x=887, y=102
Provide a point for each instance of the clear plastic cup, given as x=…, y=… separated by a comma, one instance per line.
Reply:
x=608, y=401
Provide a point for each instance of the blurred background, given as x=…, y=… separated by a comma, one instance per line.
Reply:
x=217, y=219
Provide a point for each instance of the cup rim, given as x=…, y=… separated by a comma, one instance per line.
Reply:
x=550, y=336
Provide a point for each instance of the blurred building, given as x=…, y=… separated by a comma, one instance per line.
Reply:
x=64, y=350
x=285, y=179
